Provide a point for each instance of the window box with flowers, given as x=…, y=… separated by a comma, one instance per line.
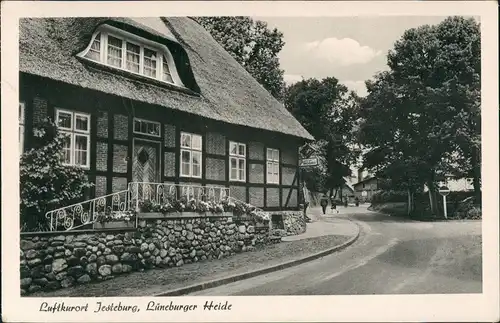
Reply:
x=185, y=207
x=107, y=219
x=182, y=207
x=247, y=212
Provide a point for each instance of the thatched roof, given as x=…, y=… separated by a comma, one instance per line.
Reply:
x=364, y=181
x=219, y=87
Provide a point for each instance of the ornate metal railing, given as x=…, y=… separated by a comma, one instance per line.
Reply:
x=162, y=193
x=86, y=213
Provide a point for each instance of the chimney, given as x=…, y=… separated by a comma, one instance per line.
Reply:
x=360, y=175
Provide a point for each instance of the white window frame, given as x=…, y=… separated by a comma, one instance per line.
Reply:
x=238, y=157
x=161, y=52
x=73, y=132
x=147, y=121
x=22, y=114
x=275, y=178
x=191, y=149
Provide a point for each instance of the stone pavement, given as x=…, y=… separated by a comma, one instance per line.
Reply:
x=329, y=224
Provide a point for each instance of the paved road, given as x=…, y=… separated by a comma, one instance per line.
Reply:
x=392, y=256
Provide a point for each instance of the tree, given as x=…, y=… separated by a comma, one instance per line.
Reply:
x=329, y=112
x=253, y=45
x=424, y=112
x=46, y=183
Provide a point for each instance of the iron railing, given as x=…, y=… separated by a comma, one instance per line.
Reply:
x=86, y=213
x=162, y=193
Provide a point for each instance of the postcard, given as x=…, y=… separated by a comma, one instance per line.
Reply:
x=250, y=161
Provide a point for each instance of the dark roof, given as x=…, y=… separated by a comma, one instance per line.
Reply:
x=221, y=88
x=365, y=180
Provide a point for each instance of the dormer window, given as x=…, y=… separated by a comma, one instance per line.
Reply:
x=125, y=51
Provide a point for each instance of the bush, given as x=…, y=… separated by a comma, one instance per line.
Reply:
x=45, y=183
x=467, y=209
x=389, y=197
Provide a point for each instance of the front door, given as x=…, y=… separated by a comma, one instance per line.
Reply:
x=146, y=162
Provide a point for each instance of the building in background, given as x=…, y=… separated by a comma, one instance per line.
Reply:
x=365, y=188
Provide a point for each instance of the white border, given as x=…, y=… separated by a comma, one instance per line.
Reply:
x=463, y=308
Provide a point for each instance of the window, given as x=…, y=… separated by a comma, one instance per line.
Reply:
x=190, y=155
x=131, y=53
x=147, y=127
x=95, y=49
x=76, y=127
x=273, y=166
x=237, y=161
x=150, y=62
x=21, y=128
x=167, y=76
x=115, y=51
x=133, y=58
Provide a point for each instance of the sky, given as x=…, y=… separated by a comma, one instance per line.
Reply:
x=352, y=49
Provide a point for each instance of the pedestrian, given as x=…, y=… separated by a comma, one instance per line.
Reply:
x=324, y=203
x=334, y=205
x=306, y=204
x=357, y=201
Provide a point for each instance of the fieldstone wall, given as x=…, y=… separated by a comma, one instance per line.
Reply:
x=295, y=222
x=49, y=262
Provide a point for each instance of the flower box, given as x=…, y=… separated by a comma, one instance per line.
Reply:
x=114, y=225
x=159, y=215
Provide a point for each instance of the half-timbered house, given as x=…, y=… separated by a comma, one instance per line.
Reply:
x=157, y=100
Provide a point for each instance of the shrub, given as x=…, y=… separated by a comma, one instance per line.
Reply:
x=389, y=197
x=45, y=183
x=467, y=209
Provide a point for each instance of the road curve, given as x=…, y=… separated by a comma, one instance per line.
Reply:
x=392, y=256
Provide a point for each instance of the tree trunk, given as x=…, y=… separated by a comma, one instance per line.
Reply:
x=409, y=202
x=476, y=179
x=412, y=202
x=336, y=191
x=433, y=196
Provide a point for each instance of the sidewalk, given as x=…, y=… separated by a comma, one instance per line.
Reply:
x=319, y=228
x=320, y=239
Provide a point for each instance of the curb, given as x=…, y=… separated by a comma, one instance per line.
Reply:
x=238, y=277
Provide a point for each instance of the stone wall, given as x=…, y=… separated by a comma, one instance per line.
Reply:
x=294, y=222
x=54, y=261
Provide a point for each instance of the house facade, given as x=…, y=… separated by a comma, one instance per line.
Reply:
x=157, y=100
x=366, y=188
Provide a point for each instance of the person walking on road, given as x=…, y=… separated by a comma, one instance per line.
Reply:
x=324, y=203
x=334, y=205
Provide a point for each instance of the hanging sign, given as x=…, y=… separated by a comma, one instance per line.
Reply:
x=307, y=162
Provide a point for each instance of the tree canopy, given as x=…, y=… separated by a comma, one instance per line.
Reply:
x=253, y=45
x=422, y=116
x=329, y=112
